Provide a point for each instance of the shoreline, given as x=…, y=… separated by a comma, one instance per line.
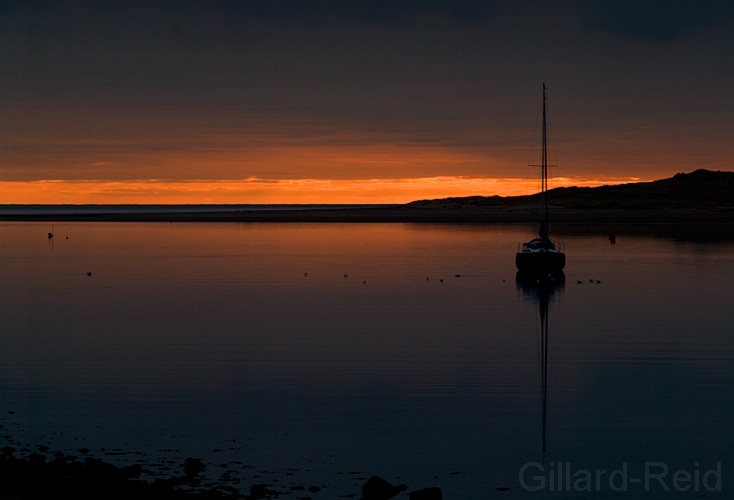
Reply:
x=38, y=475
x=402, y=214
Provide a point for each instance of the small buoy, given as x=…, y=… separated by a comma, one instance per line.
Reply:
x=345, y=275
x=427, y=278
x=305, y=274
x=364, y=282
x=598, y=281
x=89, y=273
x=457, y=276
x=50, y=235
x=578, y=282
x=440, y=280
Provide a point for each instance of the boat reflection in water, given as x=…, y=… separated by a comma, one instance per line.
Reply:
x=542, y=291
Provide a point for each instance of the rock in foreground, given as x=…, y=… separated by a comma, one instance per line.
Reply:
x=377, y=488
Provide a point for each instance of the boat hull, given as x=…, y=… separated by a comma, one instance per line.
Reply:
x=540, y=262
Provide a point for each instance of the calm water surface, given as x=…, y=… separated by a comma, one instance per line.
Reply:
x=298, y=354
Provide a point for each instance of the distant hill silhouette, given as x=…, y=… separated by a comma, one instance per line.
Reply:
x=702, y=196
x=698, y=189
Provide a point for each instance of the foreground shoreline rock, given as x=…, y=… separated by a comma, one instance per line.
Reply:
x=62, y=476
x=37, y=477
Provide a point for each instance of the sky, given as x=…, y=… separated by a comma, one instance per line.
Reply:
x=369, y=101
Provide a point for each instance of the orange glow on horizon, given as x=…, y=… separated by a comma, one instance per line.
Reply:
x=275, y=191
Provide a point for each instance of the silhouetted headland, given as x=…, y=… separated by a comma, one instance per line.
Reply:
x=699, y=196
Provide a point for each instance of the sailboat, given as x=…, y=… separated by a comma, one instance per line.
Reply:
x=540, y=255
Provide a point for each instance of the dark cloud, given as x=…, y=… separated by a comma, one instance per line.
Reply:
x=10, y=7
x=363, y=10
x=657, y=20
x=346, y=10
x=405, y=10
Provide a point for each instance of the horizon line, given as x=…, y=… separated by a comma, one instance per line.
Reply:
x=262, y=191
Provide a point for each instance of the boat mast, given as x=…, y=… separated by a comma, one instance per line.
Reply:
x=544, y=175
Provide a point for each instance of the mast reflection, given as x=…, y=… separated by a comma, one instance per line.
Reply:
x=542, y=289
